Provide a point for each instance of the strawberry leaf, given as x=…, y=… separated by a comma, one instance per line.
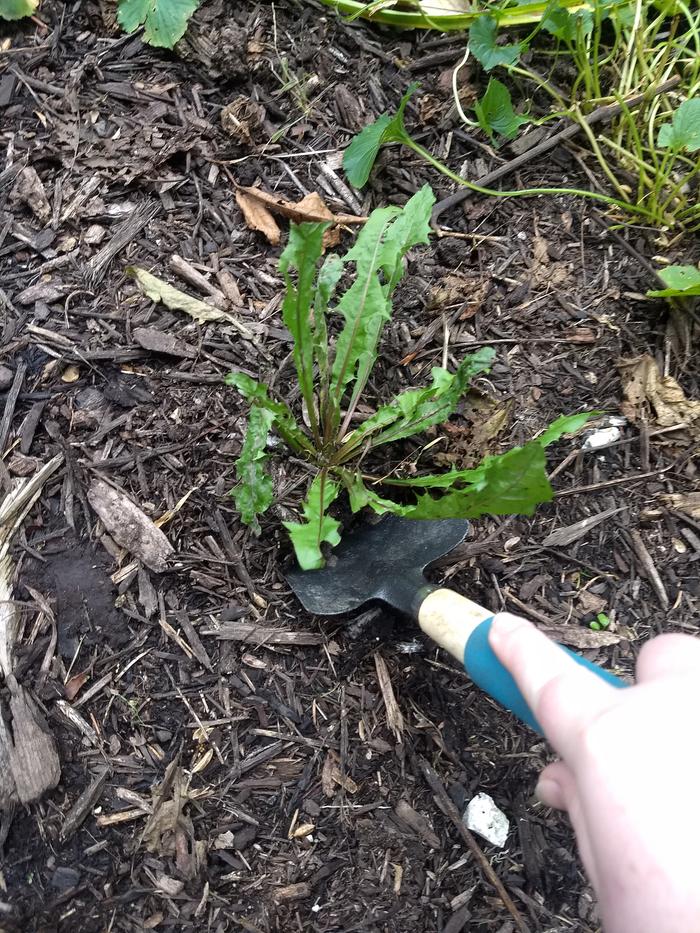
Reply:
x=164, y=21
x=680, y=281
x=683, y=132
x=484, y=48
x=17, y=9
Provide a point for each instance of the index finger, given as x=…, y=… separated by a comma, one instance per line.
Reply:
x=563, y=695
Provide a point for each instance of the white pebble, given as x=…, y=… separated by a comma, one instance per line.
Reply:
x=483, y=817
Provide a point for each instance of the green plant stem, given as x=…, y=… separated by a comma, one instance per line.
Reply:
x=525, y=192
x=524, y=14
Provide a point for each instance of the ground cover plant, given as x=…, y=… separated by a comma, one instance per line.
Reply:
x=332, y=376
x=612, y=53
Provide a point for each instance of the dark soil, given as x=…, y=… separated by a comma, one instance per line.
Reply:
x=257, y=739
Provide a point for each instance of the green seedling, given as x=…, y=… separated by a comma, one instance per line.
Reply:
x=600, y=623
x=680, y=282
x=355, y=291
x=164, y=21
x=495, y=113
x=17, y=9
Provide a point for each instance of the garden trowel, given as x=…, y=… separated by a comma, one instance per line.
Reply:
x=386, y=562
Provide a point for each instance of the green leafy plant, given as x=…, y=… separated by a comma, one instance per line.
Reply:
x=355, y=292
x=361, y=154
x=680, y=282
x=621, y=52
x=17, y=9
x=164, y=21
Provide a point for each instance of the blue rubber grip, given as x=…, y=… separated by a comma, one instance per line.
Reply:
x=487, y=672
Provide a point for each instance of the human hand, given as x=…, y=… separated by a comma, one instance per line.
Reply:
x=629, y=774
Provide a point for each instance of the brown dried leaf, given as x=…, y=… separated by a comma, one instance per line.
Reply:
x=257, y=216
x=29, y=189
x=257, y=206
x=72, y=687
x=645, y=387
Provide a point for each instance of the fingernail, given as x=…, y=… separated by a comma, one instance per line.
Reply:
x=548, y=791
x=503, y=624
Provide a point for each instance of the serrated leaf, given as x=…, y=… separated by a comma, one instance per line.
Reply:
x=417, y=409
x=361, y=154
x=565, y=25
x=302, y=253
x=361, y=496
x=284, y=420
x=308, y=536
x=485, y=49
x=680, y=281
x=17, y=9
x=378, y=255
x=683, y=132
x=514, y=483
x=164, y=21
x=253, y=494
x=495, y=111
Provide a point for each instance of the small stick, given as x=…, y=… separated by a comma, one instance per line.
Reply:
x=652, y=574
x=601, y=114
x=10, y=403
x=450, y=811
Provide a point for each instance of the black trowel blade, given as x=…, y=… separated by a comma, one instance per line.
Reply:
x=376, y=562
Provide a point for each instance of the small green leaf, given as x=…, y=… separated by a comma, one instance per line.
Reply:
x=417, y=409
x=495, y=111
x=484, y=48
x=680, y=281
x=683, y=132
x=164, y=21
x=254, y=494
x=565, y=25
x=565, y=424
x=17, y=9
x=308, y=536
x=284, y=420
x=361, y=154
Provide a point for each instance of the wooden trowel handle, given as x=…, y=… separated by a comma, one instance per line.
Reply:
x=461, y=627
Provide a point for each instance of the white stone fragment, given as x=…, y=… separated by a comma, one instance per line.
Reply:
x=483, y=817
x=603, y=437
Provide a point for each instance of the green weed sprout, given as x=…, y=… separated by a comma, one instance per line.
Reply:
x=356, y=290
